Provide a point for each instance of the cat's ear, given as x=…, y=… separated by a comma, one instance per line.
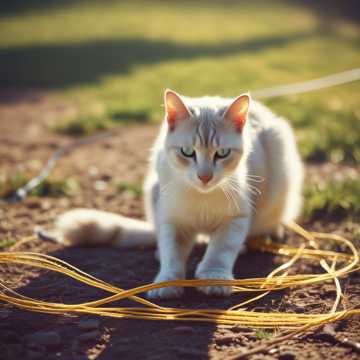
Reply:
x=237, y=112
x=175, y=108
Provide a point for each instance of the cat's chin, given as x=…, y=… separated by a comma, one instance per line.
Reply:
x=204, y=189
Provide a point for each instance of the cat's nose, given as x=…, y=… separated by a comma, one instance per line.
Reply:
x=205, y=178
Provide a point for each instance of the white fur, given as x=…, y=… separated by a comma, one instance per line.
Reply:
x=265, y=192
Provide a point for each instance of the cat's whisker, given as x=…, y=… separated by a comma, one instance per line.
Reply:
x=251, y=188
x=255, y=178
x=254, y=190
x=223, y=188
x=234, y=195
x=246, y=196
x=164, y=189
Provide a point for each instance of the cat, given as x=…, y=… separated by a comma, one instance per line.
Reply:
x=224, y=168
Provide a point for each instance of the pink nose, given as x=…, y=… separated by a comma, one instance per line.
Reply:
x=205, y=178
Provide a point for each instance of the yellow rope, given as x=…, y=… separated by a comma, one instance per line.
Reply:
x=342, y=263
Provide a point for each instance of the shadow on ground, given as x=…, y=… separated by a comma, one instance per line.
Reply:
x=65, y=65
x=330, y=9
x=120, y=338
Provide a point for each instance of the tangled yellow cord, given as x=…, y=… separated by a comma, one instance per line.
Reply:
x=276, y=280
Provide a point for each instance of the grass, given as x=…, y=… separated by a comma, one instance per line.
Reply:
x=82, y=125
x=56, y=187
x=49, y=187
x=5, y=243
x=118, y=57
x=112, y=60
x=88, y=124
x=335, y=200
x=262, y=334
x=325, y=133
x=134, y=190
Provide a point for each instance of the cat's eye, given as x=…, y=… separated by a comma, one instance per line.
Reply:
x=187, y=151
x=222, y=153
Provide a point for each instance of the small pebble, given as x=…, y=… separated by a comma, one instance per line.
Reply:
x=225, y=340
x=299, y=307
x=251, y=337
x=323, y=336
x=106, y=177
x=329, y=329
x=100, y=185
x=241, y=329
x=33, y=204
x=93, y=171
x=313, y=291
x=287, y=356
x=45, y=205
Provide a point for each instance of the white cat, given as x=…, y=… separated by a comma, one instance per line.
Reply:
x=221, y=167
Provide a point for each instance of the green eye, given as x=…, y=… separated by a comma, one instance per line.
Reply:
x=187, y=151
x=223, y=153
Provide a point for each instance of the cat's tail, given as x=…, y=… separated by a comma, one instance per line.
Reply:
x=95, y=227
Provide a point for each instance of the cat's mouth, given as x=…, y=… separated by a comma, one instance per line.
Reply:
x=204, y=188
x=196, y=184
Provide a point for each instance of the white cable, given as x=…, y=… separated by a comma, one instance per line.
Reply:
x=22, y=192
x=310, y=85
x=297, y=88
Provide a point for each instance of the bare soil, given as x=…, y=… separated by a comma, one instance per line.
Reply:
x=26, y=141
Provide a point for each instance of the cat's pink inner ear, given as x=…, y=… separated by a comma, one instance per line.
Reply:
x=238, y=111
x=175, y=108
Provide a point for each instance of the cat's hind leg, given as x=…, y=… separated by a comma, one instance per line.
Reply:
x=284, y=177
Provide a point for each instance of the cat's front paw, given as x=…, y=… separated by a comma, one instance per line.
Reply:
x=218, y=274
x=169, y=292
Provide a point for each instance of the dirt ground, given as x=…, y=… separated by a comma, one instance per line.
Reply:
x=25, y=143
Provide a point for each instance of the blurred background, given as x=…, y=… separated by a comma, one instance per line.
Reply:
x=71, y=68
x=83, y=66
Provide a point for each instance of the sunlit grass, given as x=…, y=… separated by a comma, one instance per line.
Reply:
x=5, y=243
x=332, y=200
x=134, y=190
x=325, y=131
x=123, y=54
x=49, y=187
x=88, y=124
x=262, y=334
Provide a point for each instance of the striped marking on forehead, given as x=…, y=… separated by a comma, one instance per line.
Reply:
x=206, y=134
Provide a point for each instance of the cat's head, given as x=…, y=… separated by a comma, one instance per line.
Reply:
x=206, y=138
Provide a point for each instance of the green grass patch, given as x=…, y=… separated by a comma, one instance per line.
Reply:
x=88, y=124
x=5, y=243
x=134, y=190
x=49, y=187
x=123, y=54
x=83, y=125
x=262, y=334
x=325, y=132
x=334, y=200
x=56, y=187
